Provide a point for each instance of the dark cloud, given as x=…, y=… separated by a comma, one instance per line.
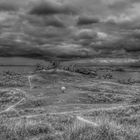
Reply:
x=85, y=37
x=89, y=36
x=121, y=22
x=86, y=20
x=132, y=45
x=12, y=48
x=48, y=33
x=46, y=51
x=124, y=22
x=47, y=28
x=12, y=5
x=85, y=34
x=120, y=5
x=4, y=6
x=132, y=41
x=46, y=7
x=122, y=46
x=55, y=22
x=46, y=21
x=107, y=45
x=134, y=34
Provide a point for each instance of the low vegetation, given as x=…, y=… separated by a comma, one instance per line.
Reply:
x=12, y=79
x=106, y=130
x=47, y=113
x=65, y=128
x=9, y=97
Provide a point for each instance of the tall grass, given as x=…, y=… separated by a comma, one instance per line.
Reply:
x=32, y=129
x=106, y=130
x=20, y=129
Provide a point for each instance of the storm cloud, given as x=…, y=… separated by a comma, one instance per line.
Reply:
x=63, y=28
x=45, y=7
x=12, y=5
x=86, y=20
x=46, y=21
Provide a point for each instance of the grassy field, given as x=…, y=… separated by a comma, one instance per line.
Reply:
x=93, y=106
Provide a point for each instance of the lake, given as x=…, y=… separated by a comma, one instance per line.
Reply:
x=19, y=64
x=18, y=69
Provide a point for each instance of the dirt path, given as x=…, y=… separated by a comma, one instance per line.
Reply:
x=12, y=106
x=86, y=121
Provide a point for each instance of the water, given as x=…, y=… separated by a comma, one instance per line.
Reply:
x=18, y=69
x=19, y=64
x=20, y=61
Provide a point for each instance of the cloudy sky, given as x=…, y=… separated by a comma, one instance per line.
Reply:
x=70, y=28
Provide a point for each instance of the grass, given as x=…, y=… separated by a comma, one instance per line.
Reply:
x=82, y=92
x=48, y=127
x=61, y=127
x=12, y=79
x=9, y=97
x=106, y=130
x=20, y=129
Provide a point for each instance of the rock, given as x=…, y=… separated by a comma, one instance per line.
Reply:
x=63, y=89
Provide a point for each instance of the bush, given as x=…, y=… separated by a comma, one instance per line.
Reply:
x=39, y=67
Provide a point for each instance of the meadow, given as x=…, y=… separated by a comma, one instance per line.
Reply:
x=98, y=103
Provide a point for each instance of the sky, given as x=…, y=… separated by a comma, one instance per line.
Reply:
x=70, y=28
